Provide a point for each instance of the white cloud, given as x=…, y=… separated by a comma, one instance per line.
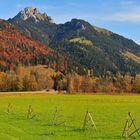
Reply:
x=129, y=11
x=127, y=2
x=130, y=15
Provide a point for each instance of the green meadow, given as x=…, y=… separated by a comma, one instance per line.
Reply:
x=108, y=111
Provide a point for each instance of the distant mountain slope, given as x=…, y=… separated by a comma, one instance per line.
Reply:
x=85, y=46
x=17, y=48
x=103, y=54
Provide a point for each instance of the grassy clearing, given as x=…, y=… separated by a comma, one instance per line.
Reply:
x=132, y=56
x=82, y=41
x=109, y=114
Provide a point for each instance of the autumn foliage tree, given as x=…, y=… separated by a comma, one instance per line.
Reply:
x=19, y=83
x=70, y=84
x=127, y=83
x=136, y=84
x=77, y=83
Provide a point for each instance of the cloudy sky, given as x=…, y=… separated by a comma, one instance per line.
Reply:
x=119, y=16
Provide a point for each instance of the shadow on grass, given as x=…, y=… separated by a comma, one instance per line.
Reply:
x=47, y=134
x=113, y=138
x=58, y=124
x=79, y=130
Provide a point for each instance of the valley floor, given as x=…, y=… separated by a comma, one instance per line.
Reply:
x=109, y=114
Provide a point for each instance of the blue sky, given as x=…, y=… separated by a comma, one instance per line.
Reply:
x=119, y=16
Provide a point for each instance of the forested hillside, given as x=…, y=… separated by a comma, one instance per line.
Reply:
x=87, y=47
x=16, y=48
x=101, y=51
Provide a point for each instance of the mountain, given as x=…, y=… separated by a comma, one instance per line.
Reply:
x=35, y=24
x=106, y=52
x=34, y=14
x=16, y=48
x=84, y=45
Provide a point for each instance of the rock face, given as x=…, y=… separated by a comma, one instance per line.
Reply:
x=33, y=13
x=28, y=12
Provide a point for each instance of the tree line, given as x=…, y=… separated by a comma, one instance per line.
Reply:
x=18, y=80
x=108, y=83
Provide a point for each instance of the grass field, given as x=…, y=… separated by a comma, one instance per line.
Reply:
x=109, y=113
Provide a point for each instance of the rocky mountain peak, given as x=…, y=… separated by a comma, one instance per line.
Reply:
x=34, y=13
x=31, y=11
x=77, y=24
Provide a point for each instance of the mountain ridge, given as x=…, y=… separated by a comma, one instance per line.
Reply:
x=104, y=53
